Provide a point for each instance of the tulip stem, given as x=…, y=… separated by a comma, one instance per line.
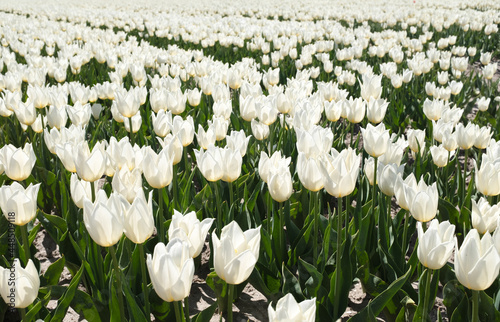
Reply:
x=174, y=188
x=131, y=131
x=405, y=232
x=118, y=281
x=159, y=217
x=231, y=198
x=315, y=208
x=230, y=292
x=26, y=246
x=22, y=312
x=144, y=281
x=178, y=312
x=374, y=192
x=337, y=261
x=218, y=206
x=186, y=309
x=475, y=306
x=428, y=279
x=464, y=189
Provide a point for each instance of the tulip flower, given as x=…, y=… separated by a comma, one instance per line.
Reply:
x=174, y=147
x=483, y=137
x=477, y=262
x=162, y=123
x=266, y=164
x=340, y=171
x=79, y=114
x=171, y=270
x=157, y=168
x=90, y=166
x=259, y=130
x=210, y=162
x=127, y=183
x=287, y=309
x=183, y=129
x=231, y=164
x=19, y=286
x=487, y=178
x=188, y=228
x=280, y=183
x=376, y=109
x=26, y=112
x=387, y=175
x=135, y=121
x=66, y=152
x=400, y=188
x=354, y=109
x=237, y=140
x=309, y=172
x=439, y=155
x=104, y=218
x=466, y=135
x=18, y=163
x=80, y=190
x=371, y=87
x=416, y=140
x=247, y=108
x=206, y=138
x=423, y=201
x=14, y=199
x=436, y=245
x=138, y=221
x=236, y=253
x=315, y=142
x=127, y=103
x=375, y=139
x=484, y=216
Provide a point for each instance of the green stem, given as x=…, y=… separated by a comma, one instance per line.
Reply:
x=337, y=261
x=179, y=316
x=426, y=294
x=352, y=135
x=218, y=206
x=475, y=306
x=92, y=187
x=24, y=236
x=314, y=206
x=465, y=176
x=144, y=281
x=231, y=199
x=405, y=231
x=174, y=188
x=374, y=192
x=118, y=275
x=22, y=312
x=230, y=292
x=282, y=227
x=131, y=132
x=186, y=309
x=159, y=216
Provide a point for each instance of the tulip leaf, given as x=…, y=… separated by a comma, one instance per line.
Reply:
x=376, y=306
x=268, y=285
x=205, y=315
x=487, y=311
x=31, y=314
x=135, y=313
x=33, y=232
x=161, y=309
x=448, y=212
x=67, y=297
x=114, y=307
x=461, y=313
x=310, y=277
x=420, y=315
x=53, y=272
x=345, y=268
x=291, y=284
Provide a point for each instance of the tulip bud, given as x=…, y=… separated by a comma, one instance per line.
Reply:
x=90, y=166
x=18, y=163
x=138, y=221
x=157, y=168
x=80, y=190
x=19, y=286
x=375, y=139
x=210, y=163
x=14, y=199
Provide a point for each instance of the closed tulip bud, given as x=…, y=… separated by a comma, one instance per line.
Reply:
x=138, y=221
x=210, y=163
x=477, y=262
x=231, y=164
x=80, y=190
x=489, y=70
x=127, y=183
x=487, y=178
x=236, y=253
x=397, y=81
x=260, y=130
x=483, y=103
x=387, y=176
x=247, y=108
x=466, y=136
x=439, y=156
x=37, y=126
x=17, y=163
x=484, y=216
x=371, y=87
x=333, y=110
x=96, y=110
x=309, y=171
x=171, y=270
x=407, y=76
x=283, y=103
x=376, y=139
x=19, y=286
x=423, y=201
x=157, y=168
x=104, y=218
x=22, y=202
x=436, y=245
x=376, y=109
x=90, y=166
x=189, y=229
x=287, y=309
x=340, y=172
x=280, y=183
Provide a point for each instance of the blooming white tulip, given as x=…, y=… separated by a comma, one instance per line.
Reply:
x=416, y=140
x=436, y=245
x=423, y=201
x=19, y=286
x=371, y=87
x=138, y=221
x=375, y=110
x=162, y=122
x=127, y=183
x=80, y=190
x=386, y=177
x=231, y=164
x=18, y=163
x=484, y=216
x=483, y=137
x=237, y=140
x=487, y=178
x=171, y=270
x=104, y=218
x=280, y=183
x=400, y=187
x=477, y=262
x=236, y=252
x=90, y=166
x=19, y=205
x=188, y=228
x=79, y=114
x=183, y=129
x=127, y=103
x=466, y=135
x=266, y=164
x=173, y=146
x=309, y=171
x=210, y=162
x=340, y=171
x=288, y=310
x=439, y=155
x=259, y=130
x=157, y=168
x=375, y=139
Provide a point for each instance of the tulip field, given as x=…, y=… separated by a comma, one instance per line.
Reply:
x=300, y=148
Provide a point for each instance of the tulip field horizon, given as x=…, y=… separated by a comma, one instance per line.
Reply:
x=298, y=150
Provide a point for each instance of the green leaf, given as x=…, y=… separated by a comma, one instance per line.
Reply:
x=487, y=311
x=31, y=314
x=291, y=284
x=205, y=315
x=67, y=297
x=312, y=278
x=53, y=273
x=133, y=308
